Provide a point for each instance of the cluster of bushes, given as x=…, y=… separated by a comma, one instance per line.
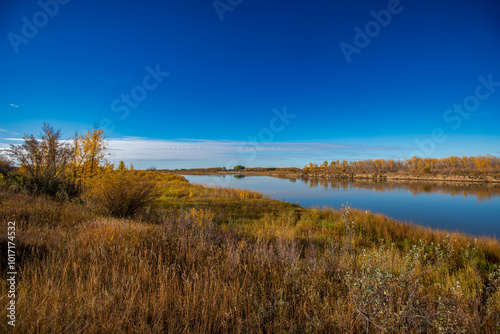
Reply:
x=76, y=169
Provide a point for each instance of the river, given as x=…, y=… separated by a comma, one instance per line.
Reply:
x=465, y=207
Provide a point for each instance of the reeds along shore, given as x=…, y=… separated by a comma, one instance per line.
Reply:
x=215, y=260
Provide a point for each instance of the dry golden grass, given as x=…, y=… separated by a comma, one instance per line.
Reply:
x=195, y=267
x=39, y=210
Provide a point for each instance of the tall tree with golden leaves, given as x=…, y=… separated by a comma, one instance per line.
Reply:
x=89, y=156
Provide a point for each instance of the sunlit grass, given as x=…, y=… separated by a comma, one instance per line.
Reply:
x=208, y=259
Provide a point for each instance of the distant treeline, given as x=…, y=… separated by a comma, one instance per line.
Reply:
x=450, y=165
x=217, y=170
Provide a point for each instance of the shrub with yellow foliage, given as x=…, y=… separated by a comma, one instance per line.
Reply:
x=120, y=193
x=53, y=166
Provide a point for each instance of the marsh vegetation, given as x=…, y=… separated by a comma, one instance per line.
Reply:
x=192, y=259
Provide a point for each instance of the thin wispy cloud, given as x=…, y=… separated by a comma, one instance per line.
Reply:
x=191, y=150
x=6, y=142
x=14, y=105
x=13, y=139
x=4, y=148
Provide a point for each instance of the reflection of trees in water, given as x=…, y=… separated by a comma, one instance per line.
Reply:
x=481, y=191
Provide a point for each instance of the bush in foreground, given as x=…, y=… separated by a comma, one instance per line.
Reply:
x=120, y=193
x=256, y=266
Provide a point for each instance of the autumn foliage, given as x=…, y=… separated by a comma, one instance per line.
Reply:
x=221, y=260
x=88, y=157
x=450, y=165
x=42, y=162
x=51, y=165
x=120, y=193
x=213, y=265
x=78, y=168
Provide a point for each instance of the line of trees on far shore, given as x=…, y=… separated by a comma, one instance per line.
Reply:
x=450, y=165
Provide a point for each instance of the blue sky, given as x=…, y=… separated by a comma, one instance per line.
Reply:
x=185, y=83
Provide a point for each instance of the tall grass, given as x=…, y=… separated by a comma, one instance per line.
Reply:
x=39, y=210
x=201, y=269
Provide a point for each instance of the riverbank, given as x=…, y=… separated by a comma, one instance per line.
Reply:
x=306, y=175
x=211, y=259
x=451, y=205
x=405, y=177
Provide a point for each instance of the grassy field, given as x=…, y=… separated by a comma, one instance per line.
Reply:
x=214, y=260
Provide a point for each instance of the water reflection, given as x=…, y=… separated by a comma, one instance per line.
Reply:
x=467, y=207
x=482, y=191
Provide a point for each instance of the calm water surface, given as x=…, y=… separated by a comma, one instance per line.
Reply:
x=469, y=208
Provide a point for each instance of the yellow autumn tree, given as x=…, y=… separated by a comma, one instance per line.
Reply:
x=51, y=165
x=89, y=152
x=451, y=165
